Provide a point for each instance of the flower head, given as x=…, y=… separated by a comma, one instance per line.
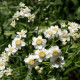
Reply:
x=10, y=50
x=18, y=43
x=41, y=54
x=58, y=62
x=38, y=42
x=31, y=61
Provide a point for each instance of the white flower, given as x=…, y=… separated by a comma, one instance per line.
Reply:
x=31, y=17
x=31, y=61
x=64, y=35
x=2, y=64
x=63, y=25
x=16, y=15
x=18, y=43
x=41, y=54
x=22, y=33
x=13, y=23
x=10, y=50
x=38, y=42
x=25, y=12
x=55, y=29
x=22, y=4
x=1, y=74
x=8, y=71
x=5, y=56
x=49, y=33
x=54, y=52
x=73, y=27
x=59, y=62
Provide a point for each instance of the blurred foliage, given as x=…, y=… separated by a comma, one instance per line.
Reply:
x=56, y=11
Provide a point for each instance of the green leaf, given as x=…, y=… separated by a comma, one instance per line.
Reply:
x=28, y=77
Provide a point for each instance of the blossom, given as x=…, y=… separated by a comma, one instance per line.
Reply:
x=64, y=36
x=13, y=23
x=1, y=74
x=10, y=50
x=55, y=29
x=2, y=64
x=38, y=42
x=18, y=43
x=31, y=61
x=21, y=4
x=41, y=54
x=54, y=52
x=25, y=12
x=5, y=56
x=63, y=25
x=8, y=71
x=31, y=17
x=16, y=15
x=73, y=27
x=22, y=33
x=59, y=62
x=49, y=33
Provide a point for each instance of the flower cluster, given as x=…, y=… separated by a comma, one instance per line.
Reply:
x=54, y=53
x=42, y=54
x=12, y=48
x=24, y=12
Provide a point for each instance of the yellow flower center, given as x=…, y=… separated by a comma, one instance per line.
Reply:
x=39, y=41
x=18, y=42
x=55, y=52
x=64, y=35
x=25, y=11
x=31, y=62
x=42, y=54
x=55, y=29
x=21, y=33
x=1, y=63
x=58, y=60
x=73, y=27
x=10, y=49
x=50, y=33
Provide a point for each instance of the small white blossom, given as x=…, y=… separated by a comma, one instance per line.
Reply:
x=38, y=42
x=64, y=35
x=2, y=64
x=73, y=27
x=13, y=23
x=22, y=33
x=41, y=54
x=8, y=71
x=22, y=4
x=10, y=50
x=5, y=56
x=63, y=25
x=18, y=43
x=31, y=61
x=1, y=74
x=25, y=12
x=49, y=33
x=16, y=15
x=54, y=52
x=56, y=29
x=31, y=17
x=59, y=62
